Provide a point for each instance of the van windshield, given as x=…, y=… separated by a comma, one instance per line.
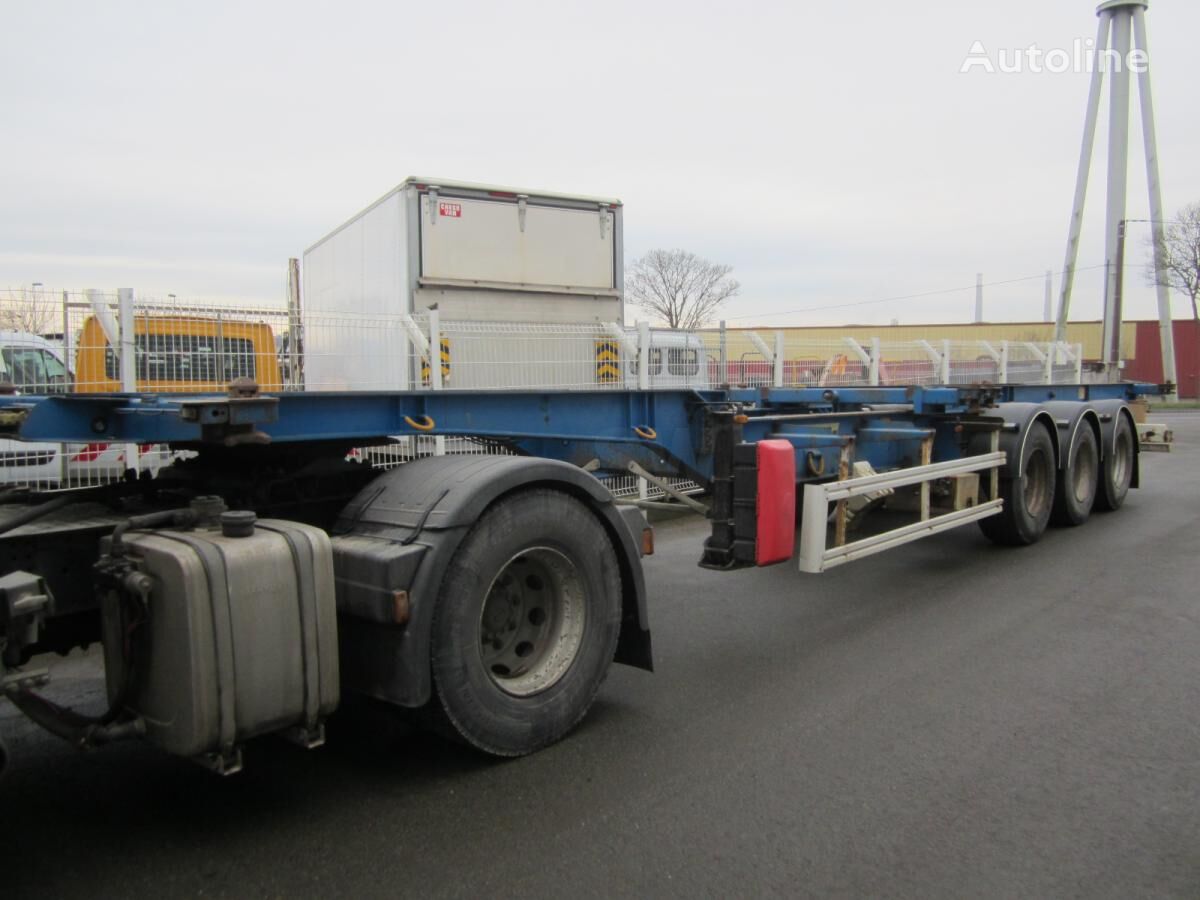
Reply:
x=186, y=357
x=34, y=371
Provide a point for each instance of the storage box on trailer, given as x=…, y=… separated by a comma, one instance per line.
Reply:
x=474, y=251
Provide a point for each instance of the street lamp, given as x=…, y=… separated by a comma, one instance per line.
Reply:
x=34, y=323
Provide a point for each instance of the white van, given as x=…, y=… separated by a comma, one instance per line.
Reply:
x=677, y=359
x=34, y=365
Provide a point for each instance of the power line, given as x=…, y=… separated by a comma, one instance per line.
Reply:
x=899, y=297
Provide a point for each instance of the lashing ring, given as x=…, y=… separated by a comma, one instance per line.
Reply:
x=815, y=463
x=425, y=424
x=645, y=432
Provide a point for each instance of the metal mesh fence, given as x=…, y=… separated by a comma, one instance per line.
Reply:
x=967, y=362
x=1025, y=364
x=48, y=466
x=823, y=363
x=93, y=341
x=343, y=351
x=523, y=356
x=907, y=362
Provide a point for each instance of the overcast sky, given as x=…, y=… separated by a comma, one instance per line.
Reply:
x=832, y=153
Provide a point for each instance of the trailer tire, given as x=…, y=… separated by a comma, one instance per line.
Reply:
x=526, y=623
x=1116, y=472
x=1029, y=499
x=1078, y=480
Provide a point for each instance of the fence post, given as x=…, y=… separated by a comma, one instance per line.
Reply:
x=295, y=326
x=932, y=353
x=643, y=356
x=128, y=359
x=1048, y=365
x=1035, y=351
x=66, y=316
x=724, y=370
x=128, y=343
x=778, y=359
x=70, y=385
x=1079, y=363
x=435, y=350
x=1004, y=362
x=643, y=343
x=863, y=356
x=945, y=362
x=104, y=316
x=874, y=368
x=435, y=368
x=767, y=354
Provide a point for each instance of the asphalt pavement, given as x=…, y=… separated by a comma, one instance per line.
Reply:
x=950, y=719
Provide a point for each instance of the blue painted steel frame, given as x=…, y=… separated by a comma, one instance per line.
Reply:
x=577, y=426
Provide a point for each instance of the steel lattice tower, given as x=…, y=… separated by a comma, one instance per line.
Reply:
x=1124, y=21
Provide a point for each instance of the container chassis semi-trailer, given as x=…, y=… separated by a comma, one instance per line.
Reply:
x=247, y=588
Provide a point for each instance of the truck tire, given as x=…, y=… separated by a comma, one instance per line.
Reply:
x=1116, y=472
x=1028, y=500
x=1078, y=479
x=526, y=624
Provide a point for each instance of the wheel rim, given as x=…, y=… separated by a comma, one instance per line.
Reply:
x=1085, y=473
x=531, y=625
x=1037, y=484
x=1120, y=459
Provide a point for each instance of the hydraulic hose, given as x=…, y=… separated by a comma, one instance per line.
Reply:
x=92, y=731
x=82, y=731
x=36, y=512
x=178, y=517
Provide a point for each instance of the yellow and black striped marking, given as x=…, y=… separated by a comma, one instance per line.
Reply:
x=426, y=374
x=608, y=362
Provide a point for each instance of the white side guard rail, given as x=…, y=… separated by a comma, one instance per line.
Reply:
x=815, y=557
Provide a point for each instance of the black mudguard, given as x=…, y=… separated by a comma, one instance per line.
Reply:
x=1069, y=416
x=1110, y=413
x=401, y=533
x=1018, y=417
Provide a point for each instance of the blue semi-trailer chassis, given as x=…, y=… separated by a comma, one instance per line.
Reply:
x=496, y=590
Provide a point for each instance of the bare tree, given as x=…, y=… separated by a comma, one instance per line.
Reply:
x=679, y=287
x=30, y=311
x=1175, y=257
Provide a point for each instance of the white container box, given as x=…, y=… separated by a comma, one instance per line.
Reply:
x=476, y=252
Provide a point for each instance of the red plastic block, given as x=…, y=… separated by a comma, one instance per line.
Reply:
x=776, y=503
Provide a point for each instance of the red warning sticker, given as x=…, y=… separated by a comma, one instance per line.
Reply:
x=453, y=210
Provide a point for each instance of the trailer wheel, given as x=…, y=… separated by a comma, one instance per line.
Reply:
x=1116, y=473
x=1076, y=491
x=1028, y=500
x=526, y=624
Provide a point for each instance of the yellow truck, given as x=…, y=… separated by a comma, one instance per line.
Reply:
x=180, y=354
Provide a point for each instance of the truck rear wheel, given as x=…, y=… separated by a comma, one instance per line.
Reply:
x=1116, y=473
x=1028, y=500
x=1076, y=492
x=526, y=624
